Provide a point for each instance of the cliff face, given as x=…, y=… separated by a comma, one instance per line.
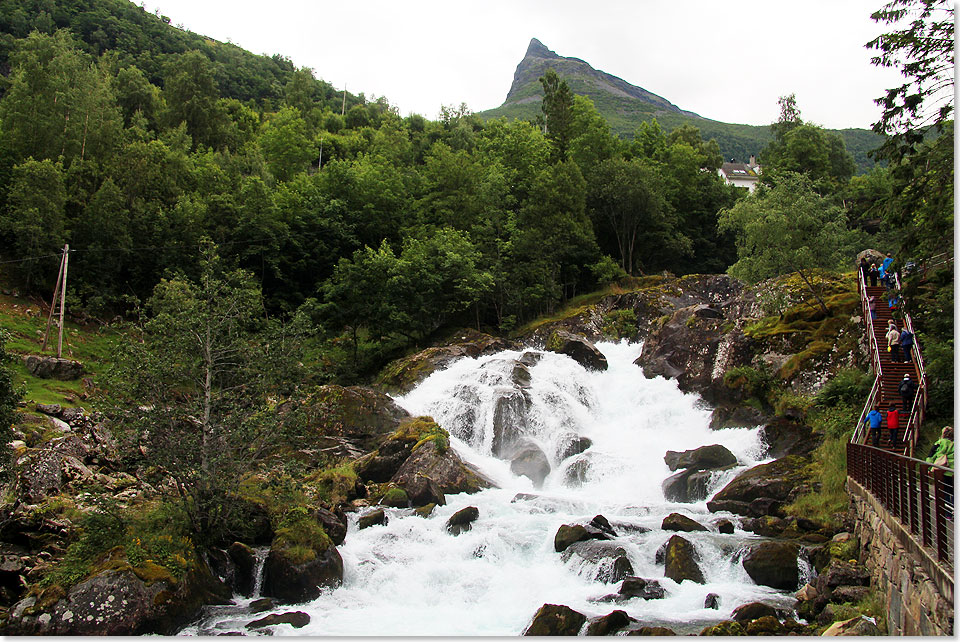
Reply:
x=580, y=76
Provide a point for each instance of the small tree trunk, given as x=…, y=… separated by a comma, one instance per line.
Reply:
x=823, y=306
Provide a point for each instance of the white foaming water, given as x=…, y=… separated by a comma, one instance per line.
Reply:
x=411, y=577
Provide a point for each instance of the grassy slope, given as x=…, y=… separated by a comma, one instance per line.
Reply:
x=91, y=344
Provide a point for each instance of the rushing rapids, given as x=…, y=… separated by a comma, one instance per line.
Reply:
x=412, y=577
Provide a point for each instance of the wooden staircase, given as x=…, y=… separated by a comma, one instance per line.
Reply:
x=892, y=373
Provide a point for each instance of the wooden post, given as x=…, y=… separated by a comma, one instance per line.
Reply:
x=63, y=297
x=53, y=301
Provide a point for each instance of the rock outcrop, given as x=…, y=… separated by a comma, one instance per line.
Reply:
x=577, y=348
x=291, y=579
x=46, y=367
x=764, y=489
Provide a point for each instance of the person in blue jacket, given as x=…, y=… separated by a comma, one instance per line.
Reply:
x=886, y=276
x=906, y=344
x=875, y=419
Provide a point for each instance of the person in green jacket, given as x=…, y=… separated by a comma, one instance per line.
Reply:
x=944, y=446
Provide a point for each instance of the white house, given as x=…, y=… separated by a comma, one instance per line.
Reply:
x=741, y=174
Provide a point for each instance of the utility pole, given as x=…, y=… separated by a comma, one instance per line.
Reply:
x=343, y=107
x=320, y=160
x=61, y=289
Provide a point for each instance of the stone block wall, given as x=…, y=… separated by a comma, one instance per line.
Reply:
x=917, y=591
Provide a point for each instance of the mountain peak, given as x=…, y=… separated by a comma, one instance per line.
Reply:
x=537, y=49
x=581, y=78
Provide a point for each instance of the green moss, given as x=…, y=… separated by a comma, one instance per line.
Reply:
x=620, y=324
x=421, y=430
x=796, y=363
x=396, y=498
x=727, y=627
x=300, y=537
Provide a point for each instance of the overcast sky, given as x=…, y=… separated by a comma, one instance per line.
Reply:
x=725, y=61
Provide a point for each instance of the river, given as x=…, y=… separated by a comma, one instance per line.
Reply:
x=411, y=577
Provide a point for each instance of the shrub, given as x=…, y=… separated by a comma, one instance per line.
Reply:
x=754, y=382
x=849, y=386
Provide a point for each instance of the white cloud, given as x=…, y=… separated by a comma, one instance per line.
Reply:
x=716, y=59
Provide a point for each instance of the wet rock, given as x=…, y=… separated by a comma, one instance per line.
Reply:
x=422, y=490
x=567, y=534
x=783, y=437
x=611, y=561
x=737, y=416
x=773, y=564
x=577, y=348
x=556, y=619
x=291, y=579
x=725, y=526
x=642, y=588
x=678, y=522
x=764, y=489
x=652, y=630
x=752, y=611
x=296, y=619
x=262, y=604
x=462, y=520
x=531, y=463
x=688, y=486
x=509, y=421
x=573, y=446
x=53, y=367
x=712, y=601
x=375, y=518
x=601, y=523
x=702, y=458
x=244, y=561
x=334, y=524
x=609, y=624
x=424, y=511
x=681, y=561
x=576, y=473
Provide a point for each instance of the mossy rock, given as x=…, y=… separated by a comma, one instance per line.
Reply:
x=396, y=498
x=556, y=619
x=725, y=628
x=681, y=561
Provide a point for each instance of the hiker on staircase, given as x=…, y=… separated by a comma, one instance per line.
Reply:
x=893, y=341
x=908, y=391
x=906, y=345
x=874, y=275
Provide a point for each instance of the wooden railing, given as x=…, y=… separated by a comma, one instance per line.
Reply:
x=918, y=494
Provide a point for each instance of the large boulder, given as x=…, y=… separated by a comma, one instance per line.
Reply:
x=702, y=458
x=774, y=564
x=782, y=437
x=509, y=420
x=752, y=611
x=567, y=534
x=350, y=421
x=688, y=486
x=435, y=460
x=403, y=375
x=608, y=558
x=53, y=367
x=124, y=601
x=334, y=524
x=556, y=619
x=289, y=578
x=764, y=489
x=532, y=463
x=577, y=348
x=296, y=619
x=841, y=573
x=681, y=561
x=642, y=588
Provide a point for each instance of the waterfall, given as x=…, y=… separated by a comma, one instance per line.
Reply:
x=260, y=560
x=603, y=436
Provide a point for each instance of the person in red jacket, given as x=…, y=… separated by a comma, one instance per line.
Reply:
x=893, y=423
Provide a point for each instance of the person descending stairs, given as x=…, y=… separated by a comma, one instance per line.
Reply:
x=893, y=371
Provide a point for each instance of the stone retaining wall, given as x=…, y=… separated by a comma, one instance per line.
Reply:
x=917, y=591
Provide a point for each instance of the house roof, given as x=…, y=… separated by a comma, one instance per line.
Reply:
x=739, y=170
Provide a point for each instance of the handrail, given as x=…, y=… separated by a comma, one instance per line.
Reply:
x=859, y=433
x=918, y=410
x=913, y=492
